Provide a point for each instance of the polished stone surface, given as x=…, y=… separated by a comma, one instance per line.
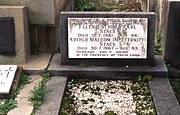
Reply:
x=65, y=60
x=172, y=48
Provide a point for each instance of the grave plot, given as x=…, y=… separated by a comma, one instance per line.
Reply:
x=104, y=97
x=108, y=46
x=97, y=39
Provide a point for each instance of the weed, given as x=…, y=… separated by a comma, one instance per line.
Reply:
x=110, y=113
x=147, y=78
x=98, y=5
x=85, y=5
x=142, y=96
x=7, y=106
x=158, y=50
x=24, y=79
x=39, y=91
x=46, y=76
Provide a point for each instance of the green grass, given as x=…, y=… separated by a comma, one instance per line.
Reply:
x=11, y=103
x=39, y=91
x=158, y=49
x=24, y=79
x=85, y=5
x=7, y=106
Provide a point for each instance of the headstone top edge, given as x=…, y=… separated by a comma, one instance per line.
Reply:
x=108, y=13
x=12, y=7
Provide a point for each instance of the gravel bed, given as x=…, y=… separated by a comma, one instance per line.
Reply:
x=109, y=97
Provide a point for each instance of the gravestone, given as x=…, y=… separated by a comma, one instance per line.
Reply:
x=172, y=47
x=107, y=45
x=111, y=39
x=7, y=74
x=22, y=43
x=7, y=36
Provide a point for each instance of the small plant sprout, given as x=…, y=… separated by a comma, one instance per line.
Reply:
x=7, y=104
x=39, y=91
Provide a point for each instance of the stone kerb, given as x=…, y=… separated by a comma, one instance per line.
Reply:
x=67, y=59
x=22, y=46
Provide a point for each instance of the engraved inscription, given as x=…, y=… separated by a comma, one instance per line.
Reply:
x=7, y=74
x=107, y=38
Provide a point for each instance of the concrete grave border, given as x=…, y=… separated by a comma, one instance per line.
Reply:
x=161, y=91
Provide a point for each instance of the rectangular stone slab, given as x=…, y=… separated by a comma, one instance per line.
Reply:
x=172, y=47
x=7, y=74
x=14, y=84
x=66, y=45
x=114, y=38
x=106, y=72
x=7, y=36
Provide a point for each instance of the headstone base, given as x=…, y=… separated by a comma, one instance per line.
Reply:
x=106, y=72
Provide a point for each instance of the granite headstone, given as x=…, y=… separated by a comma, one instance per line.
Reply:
x=107, y=38
x=172, y=48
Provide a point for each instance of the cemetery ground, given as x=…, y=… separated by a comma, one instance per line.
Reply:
x=54, y=93
x=43, y=93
